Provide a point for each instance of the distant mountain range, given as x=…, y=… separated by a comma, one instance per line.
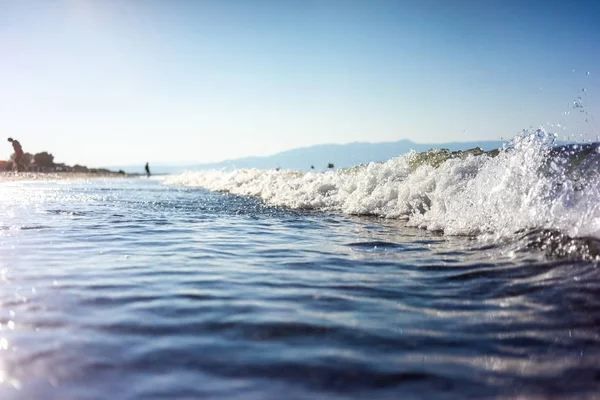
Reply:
x=319, y=156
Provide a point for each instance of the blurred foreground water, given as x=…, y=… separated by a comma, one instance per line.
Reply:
x=132, y=289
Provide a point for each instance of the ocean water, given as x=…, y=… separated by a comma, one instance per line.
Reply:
x=469, y=276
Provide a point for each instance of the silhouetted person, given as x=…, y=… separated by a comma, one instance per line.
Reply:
x=18, y=153
x=147, y=167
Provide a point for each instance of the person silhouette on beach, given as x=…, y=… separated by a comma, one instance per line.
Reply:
x=147, y=167
x=18, y=153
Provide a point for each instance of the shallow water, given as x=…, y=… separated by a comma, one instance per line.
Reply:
x=130, y=289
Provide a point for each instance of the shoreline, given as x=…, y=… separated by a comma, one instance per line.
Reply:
x=9, y=176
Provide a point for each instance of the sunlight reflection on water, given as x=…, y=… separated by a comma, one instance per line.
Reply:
x=109, y=287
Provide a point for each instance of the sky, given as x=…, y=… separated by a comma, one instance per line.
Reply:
x=117, y=82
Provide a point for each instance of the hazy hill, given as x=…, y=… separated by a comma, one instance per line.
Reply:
x=341, y=155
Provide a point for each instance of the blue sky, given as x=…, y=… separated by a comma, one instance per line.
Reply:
x=125, y=82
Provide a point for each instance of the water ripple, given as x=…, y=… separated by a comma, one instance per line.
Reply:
x=132, y=290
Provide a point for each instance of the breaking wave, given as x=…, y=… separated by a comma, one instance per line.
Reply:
x=531, y=187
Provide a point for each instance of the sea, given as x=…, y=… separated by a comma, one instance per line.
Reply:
x=438, y=275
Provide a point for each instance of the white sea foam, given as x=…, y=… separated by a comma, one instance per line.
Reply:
x=479, y=195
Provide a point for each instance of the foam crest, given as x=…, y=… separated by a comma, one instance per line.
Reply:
x=524, y=186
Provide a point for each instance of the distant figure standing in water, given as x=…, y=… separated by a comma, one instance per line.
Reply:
x=18, y=153
x=147, y=170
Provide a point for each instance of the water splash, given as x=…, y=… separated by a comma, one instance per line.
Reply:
x=529, y=184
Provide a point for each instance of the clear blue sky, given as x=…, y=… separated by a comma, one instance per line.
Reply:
x=110, y=82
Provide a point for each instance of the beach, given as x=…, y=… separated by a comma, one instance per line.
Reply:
x=300, y=200
x=275, y=284
x=8, y=176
